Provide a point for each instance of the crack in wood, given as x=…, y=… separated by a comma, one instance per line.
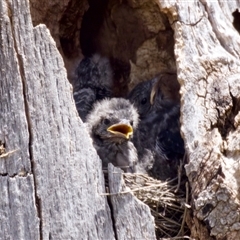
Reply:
x=112, y=216
x=192, y=24
x=28, y=117
x=22, y=174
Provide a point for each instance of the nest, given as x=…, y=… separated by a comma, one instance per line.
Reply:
x=167, y=201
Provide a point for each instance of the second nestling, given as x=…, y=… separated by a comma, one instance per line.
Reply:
x=158, y=137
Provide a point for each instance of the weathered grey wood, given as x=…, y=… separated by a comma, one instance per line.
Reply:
x=13, y=122
x=207, y=51
x=18, y=213
x=62, y=178
x=132, y=218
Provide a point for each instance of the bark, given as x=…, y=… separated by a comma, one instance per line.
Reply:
x=47, y=177
x=51, y=178
x=207, y=54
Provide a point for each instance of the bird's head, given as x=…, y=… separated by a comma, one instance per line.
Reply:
x=113, y=120
x=95, y=72
x=165, y=89
x=155, y=94
x=141, y=97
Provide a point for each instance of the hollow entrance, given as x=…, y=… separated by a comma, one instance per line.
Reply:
x=136, y=37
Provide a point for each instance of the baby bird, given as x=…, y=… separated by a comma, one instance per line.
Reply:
x=158, y=137
x=140, y=97
x=151, y=95
x=94, y=82
x=111, y=125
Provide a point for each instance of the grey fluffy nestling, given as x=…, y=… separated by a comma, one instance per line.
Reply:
x=111, y=125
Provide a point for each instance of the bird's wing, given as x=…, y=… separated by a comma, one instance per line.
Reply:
x=170, y=144
x=168, y=139
x=159, y=131
x=95, y=72
x=84, y=99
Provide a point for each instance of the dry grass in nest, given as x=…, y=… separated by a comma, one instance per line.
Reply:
x=167, y=201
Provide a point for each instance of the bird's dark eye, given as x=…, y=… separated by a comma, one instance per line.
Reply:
x=131, y=123
x=106, y=121
x=143, y=101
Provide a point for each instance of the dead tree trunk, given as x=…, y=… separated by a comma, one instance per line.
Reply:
x=51, y=181
x=207, y=50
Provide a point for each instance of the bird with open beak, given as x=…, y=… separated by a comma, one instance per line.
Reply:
x=111, y=125
x=158, y=137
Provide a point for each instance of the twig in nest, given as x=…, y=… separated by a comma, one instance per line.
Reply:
x=133, y=190
x=180, y=171
x=185, y=210
x=179, y=176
